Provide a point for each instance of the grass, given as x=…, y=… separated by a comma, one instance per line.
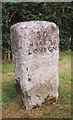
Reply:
x=61, y=109
x=65, y=75
x=0, y=95
x=8, y=86
x=7, y=67
x=9, y=92
x=65, y=55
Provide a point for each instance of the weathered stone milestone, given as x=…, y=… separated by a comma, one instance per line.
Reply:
x=35, y=49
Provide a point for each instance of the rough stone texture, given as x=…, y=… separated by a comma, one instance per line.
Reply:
x=35, y=49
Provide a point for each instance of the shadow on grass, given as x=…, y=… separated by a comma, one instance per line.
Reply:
x=8, y=92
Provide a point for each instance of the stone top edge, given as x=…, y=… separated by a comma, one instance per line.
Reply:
x=30, y=22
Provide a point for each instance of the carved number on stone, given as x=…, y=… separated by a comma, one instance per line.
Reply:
x=45, y=34
x=35, y=51
x=38, y=35
x=29, y=52
x=31, y=44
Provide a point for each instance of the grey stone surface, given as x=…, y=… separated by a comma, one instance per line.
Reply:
x=36, y=53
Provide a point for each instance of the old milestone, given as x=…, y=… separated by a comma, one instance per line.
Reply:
x=35, y=47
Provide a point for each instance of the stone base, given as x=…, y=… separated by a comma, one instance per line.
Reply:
x=31, y=99
x=25, y=101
